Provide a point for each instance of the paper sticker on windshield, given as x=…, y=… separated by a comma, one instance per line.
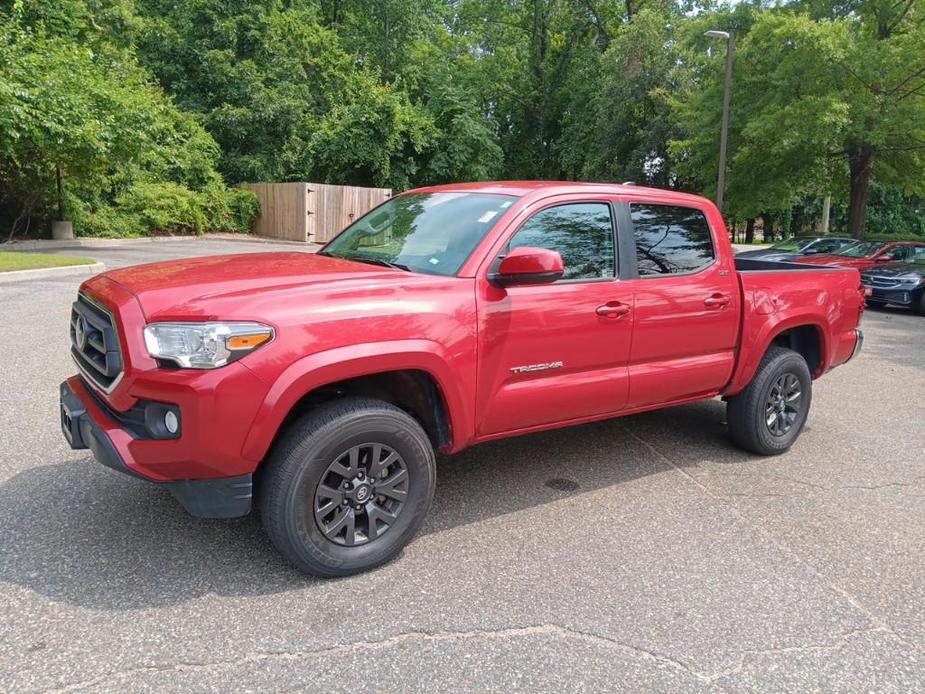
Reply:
x=434, y=261
x=488, y=216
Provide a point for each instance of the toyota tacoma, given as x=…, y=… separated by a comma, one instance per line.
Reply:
x=446, y=317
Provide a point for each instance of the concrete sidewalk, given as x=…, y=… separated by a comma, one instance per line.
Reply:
x=43, y=273
x=82, y=242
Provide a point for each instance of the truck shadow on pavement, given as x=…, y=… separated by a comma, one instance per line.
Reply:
x=84, y=535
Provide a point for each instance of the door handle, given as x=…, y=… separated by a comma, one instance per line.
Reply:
x=613, y=309
x=716, y=301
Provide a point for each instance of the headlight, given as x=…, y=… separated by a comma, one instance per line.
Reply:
x=204, y=345
x=910, y=280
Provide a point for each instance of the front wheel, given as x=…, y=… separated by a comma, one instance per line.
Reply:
x=347, y=486
x=768, y=416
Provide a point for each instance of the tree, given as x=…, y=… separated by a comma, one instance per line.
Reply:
x=281, y=89
x=148, y=105
x=842, y=98
x=73, y=100
x=619, y=123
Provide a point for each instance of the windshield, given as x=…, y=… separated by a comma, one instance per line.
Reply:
x=432, y=233
x=862, y=249
x=794, y=244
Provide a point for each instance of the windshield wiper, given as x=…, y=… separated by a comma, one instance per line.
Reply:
x=379, y=261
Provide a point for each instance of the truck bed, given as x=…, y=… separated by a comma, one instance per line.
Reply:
x=758, y=265
x=778, y=295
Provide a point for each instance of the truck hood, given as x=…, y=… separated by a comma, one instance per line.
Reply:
x=191, y=284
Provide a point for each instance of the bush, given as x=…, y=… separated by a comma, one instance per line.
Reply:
x=903, y=236
x=165, y=207
x=231, y=209
x=101, y=220
x=147, y=209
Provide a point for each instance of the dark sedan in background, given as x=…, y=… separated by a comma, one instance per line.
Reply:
x=902, y=284
x=791, y=248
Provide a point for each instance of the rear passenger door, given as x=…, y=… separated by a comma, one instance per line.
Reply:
x=686, y=304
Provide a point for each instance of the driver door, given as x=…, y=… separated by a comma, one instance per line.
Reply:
x=556, y=352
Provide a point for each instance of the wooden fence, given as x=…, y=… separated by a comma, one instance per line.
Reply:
x=312, y=212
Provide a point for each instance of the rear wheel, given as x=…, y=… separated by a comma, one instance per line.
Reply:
x=768, y=416
x=347, y=486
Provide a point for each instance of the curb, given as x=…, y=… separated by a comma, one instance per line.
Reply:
x=42, y=244
x=50, y=272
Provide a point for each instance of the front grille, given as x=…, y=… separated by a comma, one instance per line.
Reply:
x=881, y=282
x=95, y=343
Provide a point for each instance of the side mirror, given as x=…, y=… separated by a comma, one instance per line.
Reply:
x=883, y=259
x=812, y=251
x=527, y=265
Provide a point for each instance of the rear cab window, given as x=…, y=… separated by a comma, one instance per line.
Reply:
x=670, y=239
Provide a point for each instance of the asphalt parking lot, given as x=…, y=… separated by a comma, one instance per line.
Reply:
x=638, y=554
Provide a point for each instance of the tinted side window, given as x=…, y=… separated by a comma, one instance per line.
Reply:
x=670, y=239
x=899, y=253
x=581, y=233
x=826, y=246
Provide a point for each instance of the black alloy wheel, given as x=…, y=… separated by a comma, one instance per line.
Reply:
x=783, y=403
x=769, y=414
x=346, y=486
x=361, y=494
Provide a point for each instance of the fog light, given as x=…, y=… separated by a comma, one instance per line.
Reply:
x=171, y=422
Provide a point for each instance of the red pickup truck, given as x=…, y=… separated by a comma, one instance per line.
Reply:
x=445, y=317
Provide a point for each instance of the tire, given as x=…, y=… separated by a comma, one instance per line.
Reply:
x=748, y=412
x=296, y=509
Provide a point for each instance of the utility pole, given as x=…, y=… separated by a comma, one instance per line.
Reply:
x=724, y=128
x=826, y=209
x=60, y=189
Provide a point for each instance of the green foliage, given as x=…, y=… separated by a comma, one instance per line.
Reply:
x=72, y=98
x=169, y=208
x=149, y=106
x=231, y=209
x=822, y=106
x=891, y=214
x=627, y=132
x=282, y=96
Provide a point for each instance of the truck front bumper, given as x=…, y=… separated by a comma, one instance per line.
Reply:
x=85, y=425
x=899, y=296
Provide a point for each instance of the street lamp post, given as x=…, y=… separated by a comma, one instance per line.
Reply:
x=724, y=129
